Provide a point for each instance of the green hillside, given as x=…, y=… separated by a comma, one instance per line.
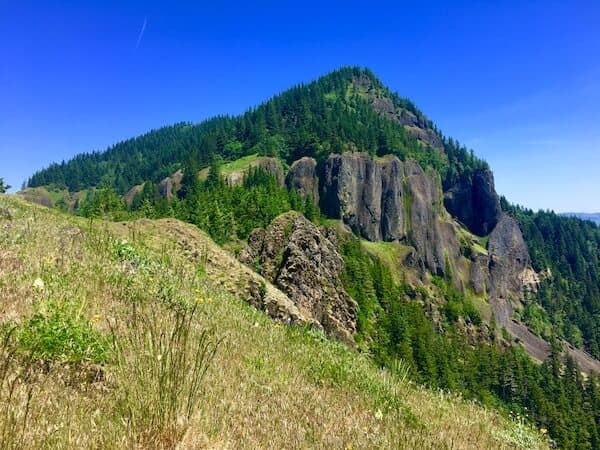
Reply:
x=109, y=327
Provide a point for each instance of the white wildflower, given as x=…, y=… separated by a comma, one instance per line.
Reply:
x=39, y=284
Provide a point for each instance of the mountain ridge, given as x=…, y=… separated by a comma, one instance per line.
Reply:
x=594, y=217
x=345, y=149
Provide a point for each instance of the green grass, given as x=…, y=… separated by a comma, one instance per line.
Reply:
x=241, y=164
x=392, y=254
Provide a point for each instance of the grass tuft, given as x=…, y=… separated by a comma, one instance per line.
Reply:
x=161, y=361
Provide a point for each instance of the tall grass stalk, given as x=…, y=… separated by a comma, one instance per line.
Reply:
x=161, y=359
x=15, y=403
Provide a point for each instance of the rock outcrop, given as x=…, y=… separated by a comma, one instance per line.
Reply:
x=302, y=178
x=295, y=256
x=131, y=193
x=508, y=257
x=475, y=202
x=351, y=190
x=169, y=186
x=386, y=199
x=414, y=122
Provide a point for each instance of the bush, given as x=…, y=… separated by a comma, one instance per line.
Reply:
x=59, y=332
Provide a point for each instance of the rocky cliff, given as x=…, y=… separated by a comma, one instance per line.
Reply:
x=385, y=199
x=302, y=178
x=302, y=262
x=390, y=200
x=475, y=202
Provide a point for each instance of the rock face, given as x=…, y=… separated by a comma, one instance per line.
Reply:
x=390, y=200
x=170, y=185
x=131, y=193
x=385, y=199
x=295, y=256
x=415, y=123
x=302, y=177
x=475, y=203
x=352, y=190
x=508, y=257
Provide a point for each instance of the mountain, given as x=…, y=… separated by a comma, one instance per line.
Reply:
x=379, y=231
x=594, y=217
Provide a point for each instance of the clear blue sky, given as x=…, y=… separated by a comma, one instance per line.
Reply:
x=519, y=82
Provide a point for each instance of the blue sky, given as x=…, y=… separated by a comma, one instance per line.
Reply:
x=519, y=82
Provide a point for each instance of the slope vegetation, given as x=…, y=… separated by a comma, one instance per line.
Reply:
x=105, y=324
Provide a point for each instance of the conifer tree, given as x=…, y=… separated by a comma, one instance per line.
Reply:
x=3, y=186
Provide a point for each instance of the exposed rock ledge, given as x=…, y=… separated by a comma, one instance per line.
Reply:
x=300, y=260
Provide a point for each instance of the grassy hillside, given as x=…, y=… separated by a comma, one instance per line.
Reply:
x=105, y=343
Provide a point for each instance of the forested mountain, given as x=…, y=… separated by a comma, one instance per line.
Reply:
x=349, y=109
x=417, y=252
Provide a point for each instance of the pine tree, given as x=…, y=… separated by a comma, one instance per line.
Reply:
x=3, y=186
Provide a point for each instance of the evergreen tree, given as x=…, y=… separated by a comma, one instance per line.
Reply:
x=3, y=186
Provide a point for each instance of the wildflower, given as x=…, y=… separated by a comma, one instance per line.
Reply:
x=97, y=318
x=39, y=284
x=200, y=300
x=378, y=414
x=544, y=430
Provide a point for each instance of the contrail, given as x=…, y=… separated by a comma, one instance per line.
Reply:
x=141, y=35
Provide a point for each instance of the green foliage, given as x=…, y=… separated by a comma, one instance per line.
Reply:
x=566, y=251
x=3, y=186
x=392, y=326
x=104, y=203
x=228, y=213
x=126, y=252
x=59, y=332
x=457, y=303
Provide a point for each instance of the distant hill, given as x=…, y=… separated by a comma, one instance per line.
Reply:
x=594, y=217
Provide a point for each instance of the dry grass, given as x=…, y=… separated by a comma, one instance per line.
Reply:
x=268, y=385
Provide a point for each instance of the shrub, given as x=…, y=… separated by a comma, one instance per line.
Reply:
x=59, y=332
